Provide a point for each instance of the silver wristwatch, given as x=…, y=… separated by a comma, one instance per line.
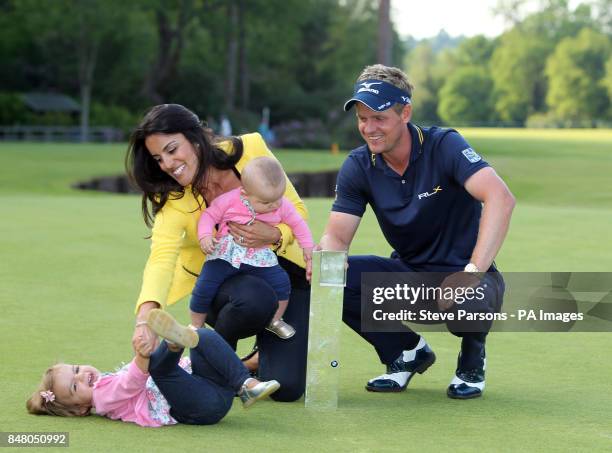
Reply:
x=471, y=268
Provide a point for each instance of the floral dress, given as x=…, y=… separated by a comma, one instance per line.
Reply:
x=228, y=250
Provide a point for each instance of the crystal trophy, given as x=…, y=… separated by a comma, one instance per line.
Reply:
x=326, y=293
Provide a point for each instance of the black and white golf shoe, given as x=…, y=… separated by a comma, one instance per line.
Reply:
x=403, y=368
x=468, y=383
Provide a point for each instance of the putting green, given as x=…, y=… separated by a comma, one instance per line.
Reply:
x=71, y=268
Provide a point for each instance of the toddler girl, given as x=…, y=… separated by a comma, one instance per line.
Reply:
x=259, y=198
x=156, y=389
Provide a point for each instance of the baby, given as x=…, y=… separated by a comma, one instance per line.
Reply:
x=260, y=198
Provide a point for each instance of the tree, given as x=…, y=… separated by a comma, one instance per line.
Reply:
x=136, y=53
x=283, y=59
x=517, y=71
x=420, y=67
x=172, y=19
x=555, y=21
x=511, y=11
x=575, y=73
x=603, y=14
x=465, y=98
x=69, y=37
x=385, y=33
x=243, y=61
x=125, y=59
x=319, y=64
x=94, y=22
x=475, y=51
x=607, y=81
x=518, y=63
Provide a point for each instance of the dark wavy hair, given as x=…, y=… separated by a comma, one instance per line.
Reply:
x=144, y=172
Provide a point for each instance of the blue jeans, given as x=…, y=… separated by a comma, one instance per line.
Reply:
x=204, y=397
x=215, y=272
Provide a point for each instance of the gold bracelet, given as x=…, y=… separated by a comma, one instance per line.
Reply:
x=141, y=323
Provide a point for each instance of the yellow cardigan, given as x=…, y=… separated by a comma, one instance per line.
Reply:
x=176, y=257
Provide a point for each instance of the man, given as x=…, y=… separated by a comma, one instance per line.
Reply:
x=439, y=205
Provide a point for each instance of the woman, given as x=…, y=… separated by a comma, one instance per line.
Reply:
x=181, y=167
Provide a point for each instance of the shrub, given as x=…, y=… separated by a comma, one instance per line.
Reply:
x=12, y=109
x=309, y=133
x=114, y=116
x=543, y=121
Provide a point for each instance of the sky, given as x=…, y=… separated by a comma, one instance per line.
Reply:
x=425, y=18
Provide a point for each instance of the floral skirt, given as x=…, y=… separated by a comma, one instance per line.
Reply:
x=235, y=254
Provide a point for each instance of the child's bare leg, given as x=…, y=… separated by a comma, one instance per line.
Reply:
x=252, y=363
x=279, y=327
x=282, y=306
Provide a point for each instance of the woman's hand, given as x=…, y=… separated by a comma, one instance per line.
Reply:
x=142, y=347
x=143, y=354
x=256, y=235
x=143, y=336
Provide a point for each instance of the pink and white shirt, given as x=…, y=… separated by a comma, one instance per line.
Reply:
x=131, y=395
x=233, y=207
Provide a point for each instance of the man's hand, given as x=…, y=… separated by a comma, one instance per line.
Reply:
x=256, y=235
x=451, y=284
x=208, y=243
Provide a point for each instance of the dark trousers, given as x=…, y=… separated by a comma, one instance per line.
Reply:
x=389, y=345
x=244, y=306
x=215, y=272
x=204, y=397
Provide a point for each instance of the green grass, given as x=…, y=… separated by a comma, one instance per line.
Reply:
x=71, y=163
x=71, y=268
x=551, y=167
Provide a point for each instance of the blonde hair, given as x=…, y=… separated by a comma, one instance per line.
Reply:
x=389, y=74
x=264, y=172
x=37, y=405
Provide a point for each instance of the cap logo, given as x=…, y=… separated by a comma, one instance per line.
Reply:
x=377, y=95
x=366, y=87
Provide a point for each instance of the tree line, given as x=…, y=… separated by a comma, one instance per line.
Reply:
x=552, y=68
x=299, y=58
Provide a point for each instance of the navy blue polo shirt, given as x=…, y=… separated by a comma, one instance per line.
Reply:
x=425, y=214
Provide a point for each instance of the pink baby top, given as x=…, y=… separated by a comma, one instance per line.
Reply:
x=131, y=395
x=233, y=207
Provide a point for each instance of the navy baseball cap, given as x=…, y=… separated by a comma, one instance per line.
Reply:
x=377, y=95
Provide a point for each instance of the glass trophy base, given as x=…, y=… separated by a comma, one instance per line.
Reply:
x=327, y=289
